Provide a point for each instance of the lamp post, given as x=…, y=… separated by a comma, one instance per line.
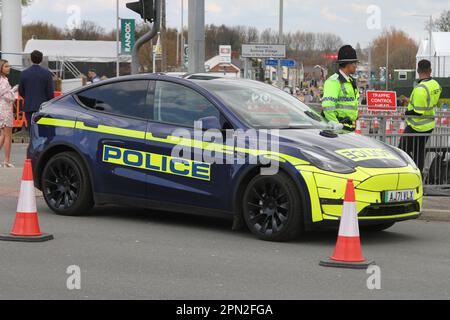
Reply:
x=117, y=39
x=280, y=37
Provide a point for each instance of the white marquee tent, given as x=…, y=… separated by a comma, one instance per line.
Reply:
x=77, y=51
x=440, y=51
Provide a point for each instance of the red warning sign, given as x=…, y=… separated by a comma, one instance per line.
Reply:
x=382, y=100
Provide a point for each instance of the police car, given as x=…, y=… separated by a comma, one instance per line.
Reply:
x=114, y=142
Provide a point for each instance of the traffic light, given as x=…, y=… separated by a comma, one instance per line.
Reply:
x=144, y=8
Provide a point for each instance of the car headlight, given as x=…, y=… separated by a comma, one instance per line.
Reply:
x=327, y=163
x=407, y=158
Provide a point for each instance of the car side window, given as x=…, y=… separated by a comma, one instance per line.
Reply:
x=127, y=98
x=180, y=105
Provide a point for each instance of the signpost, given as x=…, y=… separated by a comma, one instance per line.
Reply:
x=128, y=36
x=382, y=100
x=275, y=51
x=225, y=54
x=284, y=63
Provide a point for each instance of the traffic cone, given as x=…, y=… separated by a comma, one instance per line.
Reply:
x=348, y=252
x=388, y=126
x=26, y=225
x=358, y=127
x=376, y=124
x=402, y=128
x=363, y=123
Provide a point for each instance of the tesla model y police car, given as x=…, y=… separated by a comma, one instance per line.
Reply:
x=112, y=143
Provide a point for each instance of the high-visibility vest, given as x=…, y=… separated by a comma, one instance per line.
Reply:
x=340, y=99
x=424, y=101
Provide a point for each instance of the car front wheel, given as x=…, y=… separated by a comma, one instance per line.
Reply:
x=272, y=208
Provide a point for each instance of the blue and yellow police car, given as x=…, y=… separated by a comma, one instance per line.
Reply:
x=113, y=143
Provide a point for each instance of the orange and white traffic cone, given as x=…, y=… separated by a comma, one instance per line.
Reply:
x=348, y=252
x=358, y=127
x=26, y=226
x=376, y=124
x=388, y=126
x=363, y=123
x=402, y=128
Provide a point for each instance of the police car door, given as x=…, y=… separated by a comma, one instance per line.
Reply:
x=178, y=176
x=112, y=134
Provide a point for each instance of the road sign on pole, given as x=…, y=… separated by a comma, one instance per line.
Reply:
x=225, y=54
x=284, y=63
x=275, y=51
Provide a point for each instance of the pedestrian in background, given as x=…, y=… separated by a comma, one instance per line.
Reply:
x=421, y=114
x=92, y=74
x=7, y=97
x=36, y=86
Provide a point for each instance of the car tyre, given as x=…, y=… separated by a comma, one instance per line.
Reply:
x=66, y=186
x=272, y=208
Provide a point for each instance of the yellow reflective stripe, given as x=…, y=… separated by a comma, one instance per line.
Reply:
x=316, y=210
x=174, y=140
x=112, y=130
x=56, y=123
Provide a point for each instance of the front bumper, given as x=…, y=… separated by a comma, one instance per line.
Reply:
x=327, y=190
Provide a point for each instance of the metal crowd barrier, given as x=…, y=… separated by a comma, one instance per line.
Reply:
x=431, y=152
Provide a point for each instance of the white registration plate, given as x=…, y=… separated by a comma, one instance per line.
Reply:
x=398, y=196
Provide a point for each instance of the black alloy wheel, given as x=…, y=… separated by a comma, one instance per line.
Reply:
x=66, y=186
x=272, y=208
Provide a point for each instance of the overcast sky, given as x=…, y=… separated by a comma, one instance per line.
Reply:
x=353, y=21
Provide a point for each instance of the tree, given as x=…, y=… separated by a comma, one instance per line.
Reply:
x=41, y=30
x=88, y=30
x=402, y=50
x=442, y=24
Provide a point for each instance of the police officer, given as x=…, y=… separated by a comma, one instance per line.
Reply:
x=341, y=94
x=421, y=112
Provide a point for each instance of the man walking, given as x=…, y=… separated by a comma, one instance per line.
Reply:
x=341, y=94
x=421, y=114
x=35, y=86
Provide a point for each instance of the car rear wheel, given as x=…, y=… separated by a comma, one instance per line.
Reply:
x=66, y=186
x=272, y=208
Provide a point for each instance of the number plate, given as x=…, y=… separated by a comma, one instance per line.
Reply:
x=398, y=196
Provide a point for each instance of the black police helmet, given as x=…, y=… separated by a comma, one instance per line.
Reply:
x=347, y=55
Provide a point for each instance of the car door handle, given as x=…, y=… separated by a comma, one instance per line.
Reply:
x=160, y=135
x=90, y=124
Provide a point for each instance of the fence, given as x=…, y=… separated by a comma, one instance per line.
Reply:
x=431, y=152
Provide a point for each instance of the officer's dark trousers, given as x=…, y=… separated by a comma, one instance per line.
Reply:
x=415, y=146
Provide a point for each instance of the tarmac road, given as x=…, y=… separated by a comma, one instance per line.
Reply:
x=136, y=254
x=126, y=253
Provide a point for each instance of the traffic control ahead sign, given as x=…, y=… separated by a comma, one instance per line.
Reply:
x=382, y=100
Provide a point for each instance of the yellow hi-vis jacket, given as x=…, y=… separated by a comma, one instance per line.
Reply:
x=424, y=100
x=340, y=100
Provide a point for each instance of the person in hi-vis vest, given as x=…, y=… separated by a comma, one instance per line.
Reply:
x=341, y=94
x=421, y=114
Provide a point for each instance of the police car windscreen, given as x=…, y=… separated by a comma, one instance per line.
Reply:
x=264, y=107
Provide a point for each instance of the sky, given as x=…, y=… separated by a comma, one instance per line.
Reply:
x=354, y=21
